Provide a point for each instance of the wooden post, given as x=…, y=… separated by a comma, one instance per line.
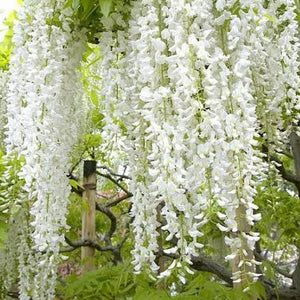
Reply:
x=88, y=214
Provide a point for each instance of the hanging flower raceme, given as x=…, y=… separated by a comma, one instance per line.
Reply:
x=174, y=120
x=112, y=45
x=3, y=85
x=160, y=124
x=229, y=132
x=289, y=46
x=275, y=67
x=43, y=106
x=274, y=42
x=141, y=71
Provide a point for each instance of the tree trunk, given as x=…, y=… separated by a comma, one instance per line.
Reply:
x=88, y=214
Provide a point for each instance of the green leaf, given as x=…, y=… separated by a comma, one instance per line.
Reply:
x=270, y=18
x=75, y=184
x=68, y=4
x=256, y=290
x=87, y=5
x=94, y=98
x=93, y=140
x=105, y=6
x=88, y=8
x=76, y=5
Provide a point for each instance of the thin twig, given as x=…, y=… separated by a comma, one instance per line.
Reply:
x=114, y=181
x=118, y=200
x=123, y=176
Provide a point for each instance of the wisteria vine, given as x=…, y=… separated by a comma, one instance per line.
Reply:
x=43, y=106
x=188, y=87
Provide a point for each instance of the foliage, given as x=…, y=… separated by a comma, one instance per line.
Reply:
x=119, y=283
x=280, y=221
x=206, y=287
x=109, y=282
x=6, y=46
x=89, y=12
x=10, y=189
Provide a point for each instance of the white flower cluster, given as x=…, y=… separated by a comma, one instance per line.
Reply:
x=43, y=105
x=275, y=44
x=163, y=80
x=289, y=46
x=110, y=69
x=190, y=79
x=229, y=128
x=197, y=87
x=3, y=84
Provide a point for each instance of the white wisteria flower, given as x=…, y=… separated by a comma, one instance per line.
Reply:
x=43, y=104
